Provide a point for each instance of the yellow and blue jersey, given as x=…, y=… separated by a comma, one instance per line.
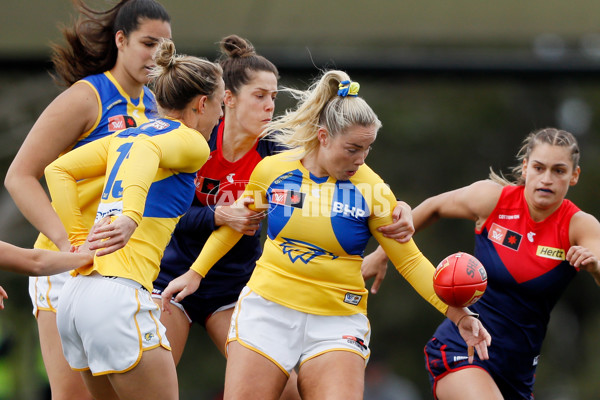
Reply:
x=116, y=111
x=149, y=176
x=318, y=229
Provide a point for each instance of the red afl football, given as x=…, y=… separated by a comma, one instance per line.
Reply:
x=460, y=280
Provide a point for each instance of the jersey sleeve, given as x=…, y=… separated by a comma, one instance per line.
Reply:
x=187, y=151
x=267, y=146
x=406, y=257
x=184, y=151
x=224, y=238
x=88, y=161
x=198, y=217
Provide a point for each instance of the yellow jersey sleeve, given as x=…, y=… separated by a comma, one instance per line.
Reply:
x=406, y=257
x=171, y=152
x=62, y=175
x=224, y=238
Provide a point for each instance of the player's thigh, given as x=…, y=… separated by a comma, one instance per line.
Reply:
x=251, y=376
x=333, y=375
x=154, y=377
x=290, y=392
x=177, y=325
x=467, y=384
x=99, y=386
x=217, y=327
x=64, y=382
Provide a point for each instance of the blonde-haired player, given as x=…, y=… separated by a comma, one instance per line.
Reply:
x=305, y=305
x=104, y=63
x=108, y=323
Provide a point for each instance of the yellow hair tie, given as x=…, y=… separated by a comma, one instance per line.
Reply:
x=347, y=88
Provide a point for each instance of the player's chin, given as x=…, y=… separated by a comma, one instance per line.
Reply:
x=346, y=175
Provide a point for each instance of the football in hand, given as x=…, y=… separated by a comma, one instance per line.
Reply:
x=460, y=280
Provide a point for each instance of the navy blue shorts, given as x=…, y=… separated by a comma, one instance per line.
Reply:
x=513, y=373
x=199, y=311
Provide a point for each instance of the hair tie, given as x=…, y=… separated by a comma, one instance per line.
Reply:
x=347, y=88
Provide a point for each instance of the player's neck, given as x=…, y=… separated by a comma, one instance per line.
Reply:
x=131, y=87
x=236, y=143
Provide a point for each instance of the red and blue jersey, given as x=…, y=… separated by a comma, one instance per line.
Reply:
x=527, y=270
x=219, y=182
x=527, y=273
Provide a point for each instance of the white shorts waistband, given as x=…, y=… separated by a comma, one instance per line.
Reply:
x=117, y=279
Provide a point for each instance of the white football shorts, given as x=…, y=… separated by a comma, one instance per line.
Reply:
x=289, y=337
x=106, y=323
x=45, y=290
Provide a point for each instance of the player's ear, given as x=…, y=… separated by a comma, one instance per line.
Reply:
x=120, y=40
x=575, y=176
x=229, y=100
x=323, y=136
x=202, y=103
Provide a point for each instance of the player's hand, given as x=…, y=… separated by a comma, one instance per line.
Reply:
x=107, y=236
x=3, y=295
x=85, y=247
x=375, y=265
x=179, y=288
x=239, y=217
x=475, y=336
x=580, y=257
x=402, y=229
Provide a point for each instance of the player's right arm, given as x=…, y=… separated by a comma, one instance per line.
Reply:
x=62, y=175
x=35, y=262
x=59, y=126
x=474, y=202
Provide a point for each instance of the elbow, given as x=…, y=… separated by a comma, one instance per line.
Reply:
x=11, y=181
x=38, y=264
x=49, y=170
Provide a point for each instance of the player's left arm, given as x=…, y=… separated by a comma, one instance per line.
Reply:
x=402, y=228
x=406, y=257
x=419, y=271
x=218, y=244
x=584, y=235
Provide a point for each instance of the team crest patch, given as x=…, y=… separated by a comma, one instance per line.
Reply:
x=118, y=122
x=352, y=298
x=303, y=251
x=550, y=252
x=505, y=237
x=209, y=186
x=291, y=198
x=148, y=336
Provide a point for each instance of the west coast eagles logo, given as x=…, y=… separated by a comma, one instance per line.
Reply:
x=303, y=251
x=148, y=336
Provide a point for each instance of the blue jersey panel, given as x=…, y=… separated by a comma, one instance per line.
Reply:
x=350, y=213
x=280, y=196
x=116, y=108
x=180, y=187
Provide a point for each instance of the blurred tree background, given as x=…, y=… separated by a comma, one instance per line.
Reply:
x=457, y=86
